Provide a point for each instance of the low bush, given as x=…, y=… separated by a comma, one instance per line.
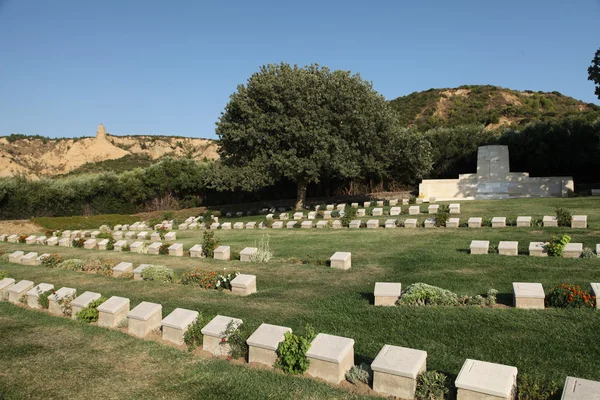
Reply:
x=164, y=249
x=52, y=261
x=22, y=239
x=563, y=217
x=350, y=214
x=556, y=245
x=97, y=266
x=158, y=273
x=441, y=217
x=588, y=253
x=3, y=274
x=43, y=298
x=90, y=313
x=73, y=264
x=533, y=388
x=198, y=277
x=161, y=230
x=570, y=296
x=193, y=336
x=263, y=253
x=78, y=243
x=65, y=305
x=421, y=294
x=291, y=352
x=235, y=336
x=209, y=243
x=359, y=374
x=432, y=385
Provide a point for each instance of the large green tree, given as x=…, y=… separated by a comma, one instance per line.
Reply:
x=304, y=124
x=594, y=72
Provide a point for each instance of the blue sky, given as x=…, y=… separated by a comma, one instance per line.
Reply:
x=158, y=67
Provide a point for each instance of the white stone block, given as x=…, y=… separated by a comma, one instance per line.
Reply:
x=226, y=225
x=508, y=248
x=18, y=290
x=454, y=208
x=30, y=240
x=12, y=239
x=361, y=212
x=53, y=241
x=142, y=235
x=367, y=204
x=137, y=247
x=453, y=223
x=291, y=224
x=154, y=248
x=176, y=250
x=222, y=253
x=263, y=343
x=284, y=216
x=277, y=225
x=34, y=293
x=337, y=224
x=82, y=301
x=119, y=244
x=395, y=211
x=330, y=357
x=410, y=223
x=155, y=236
x=95, y=234
x=321, y=224
x=117, y=235
x=478, y=379
x=433, y=209
x=377, y=212
x=298, y=215
x=572, y=250
x=341, y=260
x=89, y=244
x=238, y=225
x=182, y=227
x=3, y=237
x=414, y=210
x=64, y=242
x=176, y=324
x=326, y=214
x=480, y=246
x=354, y=224
x=269, y=216
x=214, y=225
x=387, y=293
x=390, y=223
x=395, y=371
x=213, y=332
x=307, y=224
x=579, y=221
x=16, y=257
x=54, y=306
x=380, y=203
x=393, y=202
x=528, y=295
x=550, y=221
x=5, y=284
x=144, y=318
x=499, y=222
x=474, y=222
x=537, y=249
x=580, y=389
x=170, y=236
x=137, y=272
x=246, y=254
x=113, y=311
x=251, y=225
x=196, y=251
x=130, y=235
x=243, y=285
x=418, y=200
x=29, y=258
x=523, y=222
x=66, y=234
x=118, y=227
x=373, y=224
x=122, y=268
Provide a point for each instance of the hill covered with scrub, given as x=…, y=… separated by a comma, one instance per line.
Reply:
x=492, y=106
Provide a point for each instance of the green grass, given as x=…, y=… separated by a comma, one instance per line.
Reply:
x=552, y=343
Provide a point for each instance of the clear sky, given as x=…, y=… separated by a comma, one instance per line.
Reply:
x=169, y=67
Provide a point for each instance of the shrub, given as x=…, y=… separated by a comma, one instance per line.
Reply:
x=224, y=280
x=193, y=336
x=588, y=253
x=3, y=274
x=563, y=217
x=22, y=239
x=441, y=217
x=90, y=313
x=570, y=296
x=350, y=214
x=359, y=374
x=126, y=247
x=556, y=245
x=533, y=388
x=432, y=385
x=158, y=273
x=291, y=352
x=198, y=277
x=421, y=294
x=102, y=267
x=78, y=243
x=164, y=249
x=73, y=264
x=335, y=214
x=537, y=222
x=263, y=253
x=235, y=335
x=52, y=261
x=65, y=305
x=43, y=298
x=209, y=243
x=491, y=297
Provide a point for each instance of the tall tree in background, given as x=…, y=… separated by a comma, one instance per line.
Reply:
x=303, y=124
x=594, y=72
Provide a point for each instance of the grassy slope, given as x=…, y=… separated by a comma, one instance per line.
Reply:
x=340, y=302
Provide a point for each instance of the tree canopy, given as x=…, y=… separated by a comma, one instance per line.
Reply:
x=594, y=72
x=305, y=124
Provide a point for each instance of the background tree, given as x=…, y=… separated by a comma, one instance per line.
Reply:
x=305, y=123
x=594, y=72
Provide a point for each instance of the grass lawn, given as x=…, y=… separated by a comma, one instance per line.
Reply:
x=551, y=343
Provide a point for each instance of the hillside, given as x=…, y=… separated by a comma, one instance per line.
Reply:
x=36, y=156
x=492, y=106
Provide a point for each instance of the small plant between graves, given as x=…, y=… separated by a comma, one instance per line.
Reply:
x=78, y=243
x=164, y=249
x=432, y=385
x=161, y=230
x=359, y=374
x=422, y=294
x=209, y=244
x=556, y=245
x=52, y=260
x=588, y=253
x=563, y=217
x=441, y=217
x=22, y=239
x=263, y=253
x=158, y=273
x=73, y=264
x=65, y=305
x=291, y=352
x=90, y=313
x=533, y=388
x=193, y=336
x=570, y=296
x=43, y=298
x=349, y=216
x=235, y=336
x=3, y=274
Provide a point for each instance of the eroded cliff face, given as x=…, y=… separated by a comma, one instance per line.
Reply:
x=34, y=157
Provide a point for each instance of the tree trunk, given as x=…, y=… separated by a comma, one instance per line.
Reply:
x=302, y=185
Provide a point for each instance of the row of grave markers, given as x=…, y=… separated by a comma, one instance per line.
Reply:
x=536, y=249
x=526, y=295
x=395, y=369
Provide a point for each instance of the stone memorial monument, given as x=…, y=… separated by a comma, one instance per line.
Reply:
x=494, y=180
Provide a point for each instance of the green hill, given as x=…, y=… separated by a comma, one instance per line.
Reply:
x=492, y=106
